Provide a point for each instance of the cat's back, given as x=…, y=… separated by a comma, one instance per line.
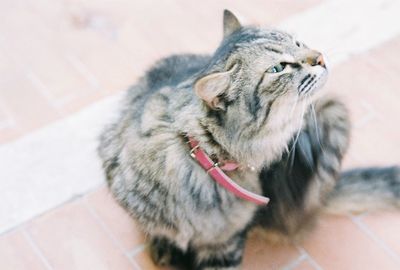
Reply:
x=174, y=69
x=168, y=72
x=145, y=107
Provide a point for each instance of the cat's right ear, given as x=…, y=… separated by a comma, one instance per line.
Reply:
x=231, y=23
x=211, y=88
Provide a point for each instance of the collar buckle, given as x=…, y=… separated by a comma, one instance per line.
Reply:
x=193, y=151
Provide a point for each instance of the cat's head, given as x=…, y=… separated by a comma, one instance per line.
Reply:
x=256, y=87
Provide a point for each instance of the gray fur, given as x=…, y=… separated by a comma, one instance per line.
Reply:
x=368, y=189
x=238, y=110
x=300, y=181
x=231, y=23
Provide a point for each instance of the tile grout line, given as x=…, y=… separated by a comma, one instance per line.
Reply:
x=36, y=249
x=136, y=250
x=108, y=232
x=83, y=70
x=42, y=88
x=75, y=199
x=364, y=228
x=56, y=103
x=309, y=258
x=291, y=265
x=370, y=114
x=313, y=263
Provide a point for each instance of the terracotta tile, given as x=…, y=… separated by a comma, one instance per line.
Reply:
x=101, y=61
x=17, y=254
x=386, y=226
x=145, y=263
x=28, y=108
x=120, y=224
x=36, y=49
x=260, y=255
x=109, y=40
x=70, y=238
x=304, y=265
x=5, y=119
x=372, y=102
x=81, y=103
x=9, y=70
x=57, y=76
x=364, y=144
x=338, y=243
x=9, y=134
x=92, y=57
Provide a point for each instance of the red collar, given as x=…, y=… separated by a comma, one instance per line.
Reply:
x=216, y=172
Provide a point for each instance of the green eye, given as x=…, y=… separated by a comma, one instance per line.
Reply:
x=276, y=69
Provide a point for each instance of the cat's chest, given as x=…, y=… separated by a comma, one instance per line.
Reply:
x=219, y=226
x=229, y=215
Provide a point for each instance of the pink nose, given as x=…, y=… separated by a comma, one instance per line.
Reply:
x=320, y=60
x=315, y=59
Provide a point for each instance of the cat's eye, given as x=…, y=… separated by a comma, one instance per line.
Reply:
x=298, y=44
x=277, y=68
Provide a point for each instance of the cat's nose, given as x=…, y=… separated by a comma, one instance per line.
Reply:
x=320, y=60
x=316, y=59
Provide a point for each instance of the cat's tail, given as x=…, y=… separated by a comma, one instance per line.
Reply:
x=367, y=189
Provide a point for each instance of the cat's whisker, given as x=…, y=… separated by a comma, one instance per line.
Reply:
x=314, y=117
x=292, y=150
x=294, y=107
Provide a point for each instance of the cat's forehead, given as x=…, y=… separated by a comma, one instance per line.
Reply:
x=252, y=41
x=256, y=35
x=257, y=44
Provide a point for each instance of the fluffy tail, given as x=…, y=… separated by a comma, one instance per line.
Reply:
x=368, y=189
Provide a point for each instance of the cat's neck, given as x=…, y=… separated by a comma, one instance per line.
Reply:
x=259, y=151
x=191, y=121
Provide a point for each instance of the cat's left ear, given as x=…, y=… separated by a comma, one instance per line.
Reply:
x=210, y=88
x=231, y=23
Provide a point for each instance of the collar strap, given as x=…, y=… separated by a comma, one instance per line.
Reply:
x=216, y=172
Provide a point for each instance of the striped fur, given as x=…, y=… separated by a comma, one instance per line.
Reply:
x=365, y=189
x=275, y=122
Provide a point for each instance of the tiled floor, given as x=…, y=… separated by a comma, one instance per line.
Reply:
x=56, y=57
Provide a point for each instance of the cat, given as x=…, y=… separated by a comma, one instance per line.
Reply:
x=258, y=103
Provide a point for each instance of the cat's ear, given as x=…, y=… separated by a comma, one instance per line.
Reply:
x=211, y=87
x=231, y=23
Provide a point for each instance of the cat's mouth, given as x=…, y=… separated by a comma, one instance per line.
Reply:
x=311, y=83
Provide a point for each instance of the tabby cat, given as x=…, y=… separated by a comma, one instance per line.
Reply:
x=256, y=101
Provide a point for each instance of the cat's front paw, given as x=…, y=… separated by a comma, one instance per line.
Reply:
x=164, y=252
x=161, y=251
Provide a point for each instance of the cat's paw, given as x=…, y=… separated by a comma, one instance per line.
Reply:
x=163, y=253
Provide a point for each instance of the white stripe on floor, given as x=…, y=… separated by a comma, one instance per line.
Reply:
x=51, y=165
x=342, y=28
x=54, y=164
